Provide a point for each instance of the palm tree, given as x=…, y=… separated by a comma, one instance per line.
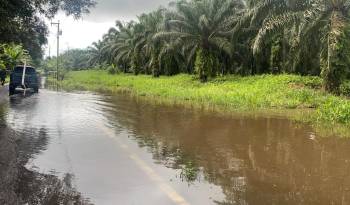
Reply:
x=123, y=46
x=107, y=50
x=149, y=25
x=96, y=55
x=172, y=59
x=201, y=27
x=326, y=20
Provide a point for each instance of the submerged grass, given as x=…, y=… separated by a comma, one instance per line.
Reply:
x=253, y=93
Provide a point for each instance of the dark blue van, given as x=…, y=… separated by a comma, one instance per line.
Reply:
x=31, y=79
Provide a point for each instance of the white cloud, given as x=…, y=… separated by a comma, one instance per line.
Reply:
x=75, y=33
x=82, y=33
x=106, y=10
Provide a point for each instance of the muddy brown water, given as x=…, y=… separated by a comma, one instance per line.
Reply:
x=123, y=150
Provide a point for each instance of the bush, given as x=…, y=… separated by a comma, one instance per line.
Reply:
x=112, y=69
x=345, y=88
x=335, y=110
x=313, y=82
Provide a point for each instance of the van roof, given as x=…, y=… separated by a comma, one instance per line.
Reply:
x=22, y=66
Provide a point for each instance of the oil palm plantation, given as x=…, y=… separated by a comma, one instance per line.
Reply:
x=247, y=37
x=201, y=27
x=325, y=20
x=124, y=47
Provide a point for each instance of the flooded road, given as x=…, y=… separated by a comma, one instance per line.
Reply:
x=123, y=150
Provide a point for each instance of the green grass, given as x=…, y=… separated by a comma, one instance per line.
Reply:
x=254, y=93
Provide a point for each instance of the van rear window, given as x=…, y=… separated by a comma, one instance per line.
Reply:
x=29, y=70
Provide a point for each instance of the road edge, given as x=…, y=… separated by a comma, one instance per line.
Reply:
x=4, y=93
x=9, y=167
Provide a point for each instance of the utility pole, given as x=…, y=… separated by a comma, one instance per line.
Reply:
x=68, y=48
x=59, y=32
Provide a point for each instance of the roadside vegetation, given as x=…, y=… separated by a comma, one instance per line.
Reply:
x=210, y=38
x=10, y=56
x=222, y=37
x=233, y=93
x=72, y=60
x=242, y=55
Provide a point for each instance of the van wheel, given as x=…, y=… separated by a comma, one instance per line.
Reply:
x=12, y=91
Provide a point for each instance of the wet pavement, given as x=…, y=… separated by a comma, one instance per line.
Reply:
x=3, y=93
x=119, y=149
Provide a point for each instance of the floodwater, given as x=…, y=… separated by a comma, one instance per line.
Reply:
x=123, y=150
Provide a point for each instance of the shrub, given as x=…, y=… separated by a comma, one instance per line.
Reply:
x=345, y=88
x=112, y=69
x=313, y=82
x=335, y=110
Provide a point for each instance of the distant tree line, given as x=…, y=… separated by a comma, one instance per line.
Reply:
x=72, y=60
x=245, y=37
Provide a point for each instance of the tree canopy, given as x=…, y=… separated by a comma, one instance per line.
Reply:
x=22, y=22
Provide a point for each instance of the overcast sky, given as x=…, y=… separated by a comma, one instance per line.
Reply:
x=81, y=33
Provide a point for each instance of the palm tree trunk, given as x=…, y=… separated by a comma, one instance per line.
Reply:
x=329, y=52
x=332, y=78
x=284, y=50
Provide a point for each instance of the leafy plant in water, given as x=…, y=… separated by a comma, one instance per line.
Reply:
x=189, y=172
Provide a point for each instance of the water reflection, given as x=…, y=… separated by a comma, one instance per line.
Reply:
x=21, y=142
x=255, y=160
x=36, y=188
x=205, y=157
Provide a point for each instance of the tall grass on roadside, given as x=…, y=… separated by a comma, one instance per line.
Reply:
x=276, y=92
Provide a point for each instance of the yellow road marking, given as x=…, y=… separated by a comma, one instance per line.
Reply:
x=167, y=189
